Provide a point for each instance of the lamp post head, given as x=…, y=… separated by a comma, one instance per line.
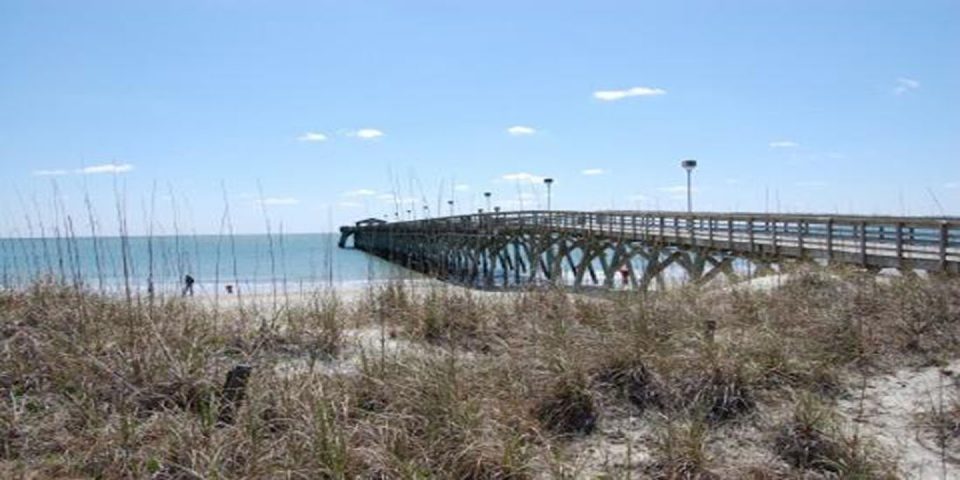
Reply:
x=548, y=181
x=487, y=194
x=688, y=165
x=496, y=209
x=449, y=202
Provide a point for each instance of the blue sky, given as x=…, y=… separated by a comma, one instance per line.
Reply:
x=326, y=111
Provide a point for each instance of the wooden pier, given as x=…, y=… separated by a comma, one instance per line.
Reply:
x=581, y=248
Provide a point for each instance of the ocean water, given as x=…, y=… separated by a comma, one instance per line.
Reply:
x=252, y=263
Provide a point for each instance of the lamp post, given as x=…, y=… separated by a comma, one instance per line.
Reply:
x=487, y=195
x=689, y=165
x=450, y=202
x=548, y=182
x=426, y=211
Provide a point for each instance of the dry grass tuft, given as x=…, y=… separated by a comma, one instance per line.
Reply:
x=569, y=409
x=630, y=379
x=813, y=440
x=681, y=453
x=940, y=425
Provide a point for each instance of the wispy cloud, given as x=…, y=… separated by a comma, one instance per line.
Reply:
x=521, y=130
x=611, y=95
x=106, y=168
x=271, y=201
x=811, y=184
x=312, y=137
x=361, y=192
x=905, y=85
x=49, y=173
x=365, y=133
x=784, y=144
x=593, y=171
x=522, y=177
x=951, y=185
x=349, y=204
x=461, y=187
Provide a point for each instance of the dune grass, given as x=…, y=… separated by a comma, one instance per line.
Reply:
x=727, y=383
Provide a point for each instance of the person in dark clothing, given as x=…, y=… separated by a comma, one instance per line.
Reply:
x=188, y=282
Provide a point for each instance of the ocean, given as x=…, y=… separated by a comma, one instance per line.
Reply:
x=254, y=264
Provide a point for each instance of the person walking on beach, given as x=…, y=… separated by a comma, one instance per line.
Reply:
x=625, y=275
x=188, y=282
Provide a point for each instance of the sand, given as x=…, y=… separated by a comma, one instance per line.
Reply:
x=887, y=412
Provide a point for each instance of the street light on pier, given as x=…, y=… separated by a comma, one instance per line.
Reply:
x=450, y=202
x=548, y=182
x=426, y=211
x=689, y=165
x=487, y=195
x=496, y=209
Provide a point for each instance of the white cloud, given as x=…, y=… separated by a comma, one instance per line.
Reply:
x=49, y=173
x=312, y=137
x=386, y=197
x=951, y=185
x=784, y=144
x=107, y=168
x=811, y=184
x=611, y=95
x=462, y=187
x=365, y=133
x=522, y=177
x=279, y=201
x=360, y=192
x=521, y=130
x=593, y=171
x=905, y=85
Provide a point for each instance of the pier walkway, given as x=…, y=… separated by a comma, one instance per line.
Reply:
x=573, y=248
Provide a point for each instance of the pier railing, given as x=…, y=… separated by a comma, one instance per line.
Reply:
x=874, y=241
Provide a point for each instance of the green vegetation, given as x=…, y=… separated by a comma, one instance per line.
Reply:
x=450, y=383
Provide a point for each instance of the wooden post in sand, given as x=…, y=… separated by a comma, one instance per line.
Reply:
x=234, y=389
x=710, y=330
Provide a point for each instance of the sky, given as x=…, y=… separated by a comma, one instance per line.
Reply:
x=310, y=115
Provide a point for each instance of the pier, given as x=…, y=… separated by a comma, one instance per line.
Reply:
x=635, y=248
